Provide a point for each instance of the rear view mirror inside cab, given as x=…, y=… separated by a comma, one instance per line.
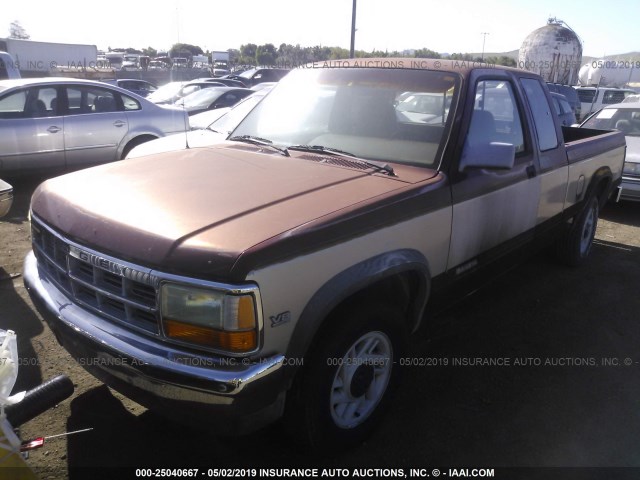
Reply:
x=494, y=155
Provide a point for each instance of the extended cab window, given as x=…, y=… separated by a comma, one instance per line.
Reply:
x=542, y=114
x=496, y=117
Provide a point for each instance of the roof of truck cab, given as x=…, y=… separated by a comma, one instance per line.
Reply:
x=463, y=67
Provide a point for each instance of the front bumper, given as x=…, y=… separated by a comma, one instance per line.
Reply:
x=231, y=396
x=630, y=189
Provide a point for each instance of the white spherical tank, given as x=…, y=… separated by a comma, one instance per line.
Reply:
x=554, y=52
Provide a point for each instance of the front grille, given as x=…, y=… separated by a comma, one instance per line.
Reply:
x=114, y=289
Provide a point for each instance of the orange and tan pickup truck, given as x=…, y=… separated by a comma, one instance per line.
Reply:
x=281, y=272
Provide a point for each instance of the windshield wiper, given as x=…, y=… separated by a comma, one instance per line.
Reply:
x=262, y=142
x=385, y=167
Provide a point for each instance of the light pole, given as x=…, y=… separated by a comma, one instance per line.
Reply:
x=352, y=52
x=484, y=39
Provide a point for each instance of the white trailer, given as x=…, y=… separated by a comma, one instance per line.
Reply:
x=220, y=58
x=43, y=57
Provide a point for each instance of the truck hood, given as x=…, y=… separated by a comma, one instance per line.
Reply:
x=177, y=141
x=195, y=212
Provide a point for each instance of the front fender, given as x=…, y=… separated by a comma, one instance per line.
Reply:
x=353, y=280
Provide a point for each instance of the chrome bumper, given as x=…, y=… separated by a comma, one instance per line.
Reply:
x=232, y=396
x=630, y=189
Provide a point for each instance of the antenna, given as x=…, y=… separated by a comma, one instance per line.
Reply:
x=186, y=128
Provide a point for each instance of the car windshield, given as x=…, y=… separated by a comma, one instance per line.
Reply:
x=627, y=120
x=357, y=110
x=165, y=92
x=201, y=98
x=227, y=122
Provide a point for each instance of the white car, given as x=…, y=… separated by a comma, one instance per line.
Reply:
x=6, y=197
x=66, y=124
x=626, y=118
x=213, y=132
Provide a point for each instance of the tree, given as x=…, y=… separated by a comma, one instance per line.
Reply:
x=461, y=56
x=248, y=54
x=426, y=53
x=17, y=31
x=266, y=54
x=184, y=50
x=150, y=52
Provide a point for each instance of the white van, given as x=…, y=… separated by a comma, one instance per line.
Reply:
x=593, y=99
x=8, y=66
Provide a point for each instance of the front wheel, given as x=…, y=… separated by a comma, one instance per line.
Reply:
x=575, y=246
x=348, y=377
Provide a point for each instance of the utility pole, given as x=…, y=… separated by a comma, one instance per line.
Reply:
x=484, y=39
x=352, y=52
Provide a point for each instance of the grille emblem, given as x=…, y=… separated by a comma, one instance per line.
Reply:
x=97, y=261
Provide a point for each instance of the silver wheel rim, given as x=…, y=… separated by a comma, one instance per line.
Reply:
x=361, y=379
x=588, y=231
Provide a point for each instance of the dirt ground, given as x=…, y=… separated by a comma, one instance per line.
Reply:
x=567, y=393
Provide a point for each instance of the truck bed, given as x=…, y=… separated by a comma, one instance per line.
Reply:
x=582, y=143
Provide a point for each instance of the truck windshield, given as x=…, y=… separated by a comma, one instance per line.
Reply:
x=394, y=115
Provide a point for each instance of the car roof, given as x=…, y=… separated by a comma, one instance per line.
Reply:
x=21, y=82
x=624, y=106
x=580, y=87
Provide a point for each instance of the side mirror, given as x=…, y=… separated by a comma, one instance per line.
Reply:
x=494, y=155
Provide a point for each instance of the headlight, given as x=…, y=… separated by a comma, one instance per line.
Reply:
x=211, y=318
x=631, y=168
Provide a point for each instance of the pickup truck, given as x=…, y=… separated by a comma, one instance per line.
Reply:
x=280, y=273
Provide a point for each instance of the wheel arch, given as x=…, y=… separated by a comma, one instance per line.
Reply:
x=403, y=275
x=601, y=185
x=132, y=142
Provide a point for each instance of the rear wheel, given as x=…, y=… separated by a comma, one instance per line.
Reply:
x=348, y=378
x=575, y=246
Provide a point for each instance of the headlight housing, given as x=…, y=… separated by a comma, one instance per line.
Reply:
x=221, y=320
x=631, y=168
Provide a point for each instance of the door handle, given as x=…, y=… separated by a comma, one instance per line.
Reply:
x=53, y=129
x=119, y=123
x=531, y=171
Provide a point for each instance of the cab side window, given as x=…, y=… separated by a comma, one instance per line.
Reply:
x=543, y=117
x=496, y=117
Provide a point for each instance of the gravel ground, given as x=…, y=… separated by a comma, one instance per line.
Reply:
x=564, y=399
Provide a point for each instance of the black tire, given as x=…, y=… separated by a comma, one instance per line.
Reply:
x=338, y=369
x=574, y=247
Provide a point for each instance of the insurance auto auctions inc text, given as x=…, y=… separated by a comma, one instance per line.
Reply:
x=374, y=472
x=515, y=362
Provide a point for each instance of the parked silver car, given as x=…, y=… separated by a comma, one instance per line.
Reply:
x=64, y=123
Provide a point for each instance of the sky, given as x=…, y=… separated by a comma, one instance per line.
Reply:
x=456, y=26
